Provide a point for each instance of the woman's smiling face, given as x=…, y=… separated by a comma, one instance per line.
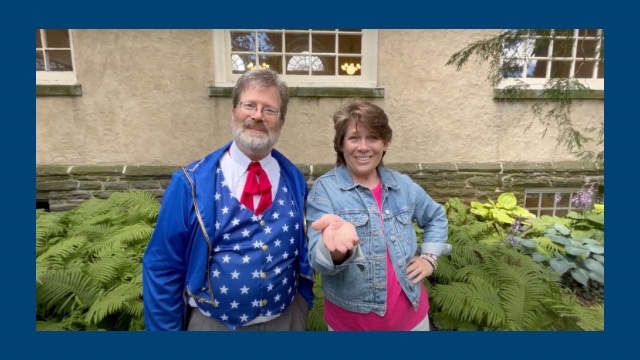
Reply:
x=363, y=151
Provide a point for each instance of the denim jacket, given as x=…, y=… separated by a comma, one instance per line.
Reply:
x=359, y=283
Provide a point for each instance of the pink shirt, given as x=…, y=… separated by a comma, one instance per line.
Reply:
x=400, y=314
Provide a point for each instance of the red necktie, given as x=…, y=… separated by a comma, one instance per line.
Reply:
x=257, y=184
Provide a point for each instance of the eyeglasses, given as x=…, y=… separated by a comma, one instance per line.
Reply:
x=267, y=111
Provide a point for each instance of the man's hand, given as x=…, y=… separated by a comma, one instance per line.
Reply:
x=338, y=235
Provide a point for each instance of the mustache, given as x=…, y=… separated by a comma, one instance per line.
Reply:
x=255, y=125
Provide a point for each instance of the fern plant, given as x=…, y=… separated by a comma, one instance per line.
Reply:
x=88, y=263
x=482, y=286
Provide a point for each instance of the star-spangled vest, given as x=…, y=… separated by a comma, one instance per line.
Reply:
x=253, y=262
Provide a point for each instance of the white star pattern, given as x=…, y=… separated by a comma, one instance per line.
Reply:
x=218, y=170
x=206, y=313
x=246, y=242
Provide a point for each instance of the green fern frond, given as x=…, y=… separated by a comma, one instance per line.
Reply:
x=135, y=234
x=65, y=290
x=547, y=246
x=112, y=302
x=57, y=255
x=92, y=231
x=109, y=269
x=143, y=203
x=476, y=301
x=49, y=326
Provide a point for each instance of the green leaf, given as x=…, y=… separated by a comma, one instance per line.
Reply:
x=562, y=229
x=559, y=265
x=596, y=218
x=591, y=241
x=574, y=215
x=596, y=277
x=539, y=257
x=596, y=249
x=480, y=212
x=508, y=200
x=582, y=234
x=594, y=266
x=559, y=239
x=528, y=243
x=522, y=212
x=581, y=276
x=501, y=216
x=599, y=258
x=577, y=250
x=477, y=205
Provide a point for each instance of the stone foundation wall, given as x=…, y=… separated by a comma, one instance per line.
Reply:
x=65, y=187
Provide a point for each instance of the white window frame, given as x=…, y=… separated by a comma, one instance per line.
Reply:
x=571, y=192
x=538, y=83
x=58, y=77
x=368, y=78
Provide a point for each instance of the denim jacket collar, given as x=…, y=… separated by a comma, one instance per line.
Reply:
x=345, y=181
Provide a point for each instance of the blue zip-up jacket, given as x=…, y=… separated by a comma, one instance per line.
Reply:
x=177, y=256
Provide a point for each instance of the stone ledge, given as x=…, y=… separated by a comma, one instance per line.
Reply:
x=325, y=91
x=59, y=90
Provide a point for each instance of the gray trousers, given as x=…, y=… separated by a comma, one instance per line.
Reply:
x=292, y=319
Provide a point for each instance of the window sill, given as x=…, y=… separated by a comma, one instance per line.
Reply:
x=296, y=91
x=500, y=94
x=58, y=90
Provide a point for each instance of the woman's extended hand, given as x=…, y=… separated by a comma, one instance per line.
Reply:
x=337, y=234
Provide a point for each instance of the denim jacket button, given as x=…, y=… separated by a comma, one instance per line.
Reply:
x=393, y=238
x=386, y=211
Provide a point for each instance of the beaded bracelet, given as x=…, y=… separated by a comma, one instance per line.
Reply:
x=431, y=259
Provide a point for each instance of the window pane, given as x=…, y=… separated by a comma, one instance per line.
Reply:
x=57, y=38
x=296, y=43
x=531, y=200
x=564, y=200
x=270, y=42
x=39, y=61
x=586, y=48
x=548, y=200
x=563, y=48
x=584, y=69
x=38, y=39
x=561, y=213
x=560, y=69
x=242, y=41
x=59, y=60
x=350, y=44
x=537, y=69
x=588, y=32
x=350, y=66
x=546, y=212
x=273, y=62
x=323, y=43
